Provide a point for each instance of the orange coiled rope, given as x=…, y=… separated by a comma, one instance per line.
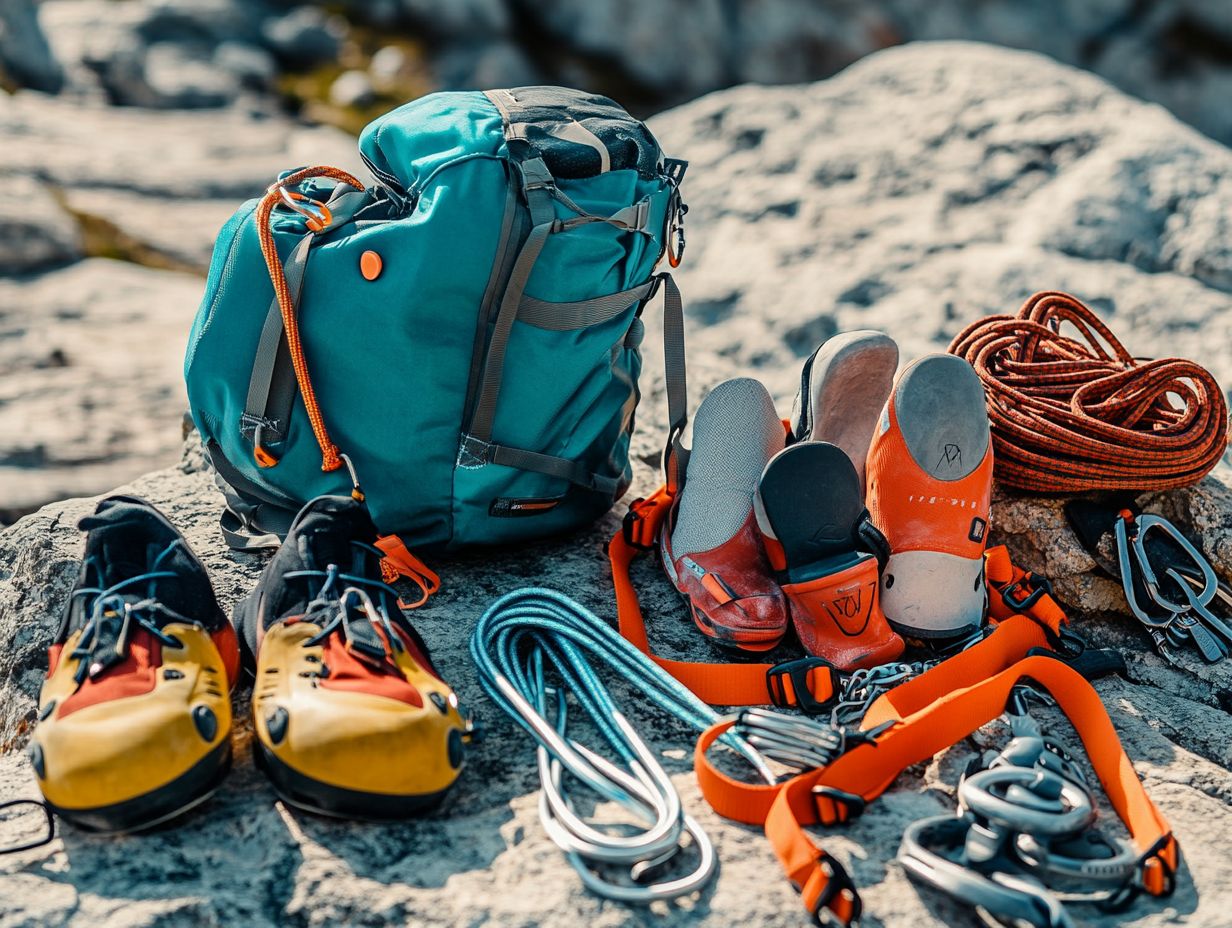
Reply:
x=330, y=459
x=1068, y=415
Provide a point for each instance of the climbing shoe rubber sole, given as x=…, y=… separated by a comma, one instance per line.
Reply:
x=312, y=795
x=161, y=805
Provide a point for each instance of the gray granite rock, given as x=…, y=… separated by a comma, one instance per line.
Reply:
x=351, y=88
x=25, y=56
x=35, y=230
x=84, y=402
x=465, y=19
x=179, y=76
x=304, y=36
x=919, y=189
x=252, y=66
x=158, y=53
x=182, y=154
x=90, y=385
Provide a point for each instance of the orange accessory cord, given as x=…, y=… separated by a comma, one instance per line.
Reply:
x=330, y=459
x=924, y=716
x=1068, y=416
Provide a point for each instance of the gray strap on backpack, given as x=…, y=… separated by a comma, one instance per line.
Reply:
x=579, y=314
x=272, y=387
x=674, y=366
x=536, y=181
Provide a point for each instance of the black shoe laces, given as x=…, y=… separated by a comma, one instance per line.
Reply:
x=345, y=604
x=114, y=616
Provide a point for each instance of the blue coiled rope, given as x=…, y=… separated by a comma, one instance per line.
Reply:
x=530, y=633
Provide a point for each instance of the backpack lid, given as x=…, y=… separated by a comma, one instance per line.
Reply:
x=577, y=134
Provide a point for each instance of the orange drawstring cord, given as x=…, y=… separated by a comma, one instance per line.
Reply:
x=330, y=459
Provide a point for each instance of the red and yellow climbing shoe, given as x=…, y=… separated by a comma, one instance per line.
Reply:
x=351, y=718
x=712, y=551
x=929, y=491
x=135, y=714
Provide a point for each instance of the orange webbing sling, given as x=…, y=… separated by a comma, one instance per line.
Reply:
x=717, y=684
x=924, y=716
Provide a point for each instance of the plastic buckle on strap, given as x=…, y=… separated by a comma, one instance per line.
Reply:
x=798, y=671
x=638, y=531
x=853, y=803
x=838, y=882
x=1038, y=586
x=1156, y=876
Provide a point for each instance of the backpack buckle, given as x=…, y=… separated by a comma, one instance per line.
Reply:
x=535, y=174
x=798, y=671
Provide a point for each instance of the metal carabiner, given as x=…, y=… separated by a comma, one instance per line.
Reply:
x=1125, y=548
x=316, y=214
x=1210, y=582
x=1189, y=583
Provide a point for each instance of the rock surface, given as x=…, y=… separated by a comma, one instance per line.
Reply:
x=1174, y=52
x=915, y=191
x=35, y=230
x=91, y=389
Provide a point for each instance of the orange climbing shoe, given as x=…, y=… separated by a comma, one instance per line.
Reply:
x=929, y=489
x=135, y=714
x=826, y=554
x=350, y=716
x=712, y=551
x=843, y=387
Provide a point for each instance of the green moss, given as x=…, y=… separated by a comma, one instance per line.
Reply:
x=102, y=238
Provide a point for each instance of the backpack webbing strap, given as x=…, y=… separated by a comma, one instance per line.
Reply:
x=579, y=314
x=915, y=721
x=536, y=181
x=674, y=374
x=474, y=452
x=271, y=387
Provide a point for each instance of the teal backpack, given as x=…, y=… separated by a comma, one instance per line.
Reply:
x=460, y=336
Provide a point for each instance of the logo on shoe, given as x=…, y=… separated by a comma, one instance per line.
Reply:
x=847, y=606
x=849, y=610
x=951, y=457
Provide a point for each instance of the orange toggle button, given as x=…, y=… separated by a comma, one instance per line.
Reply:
x=370, y=265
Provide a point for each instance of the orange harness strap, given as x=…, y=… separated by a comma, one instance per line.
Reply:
x=717, y=684
x=915, y=721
